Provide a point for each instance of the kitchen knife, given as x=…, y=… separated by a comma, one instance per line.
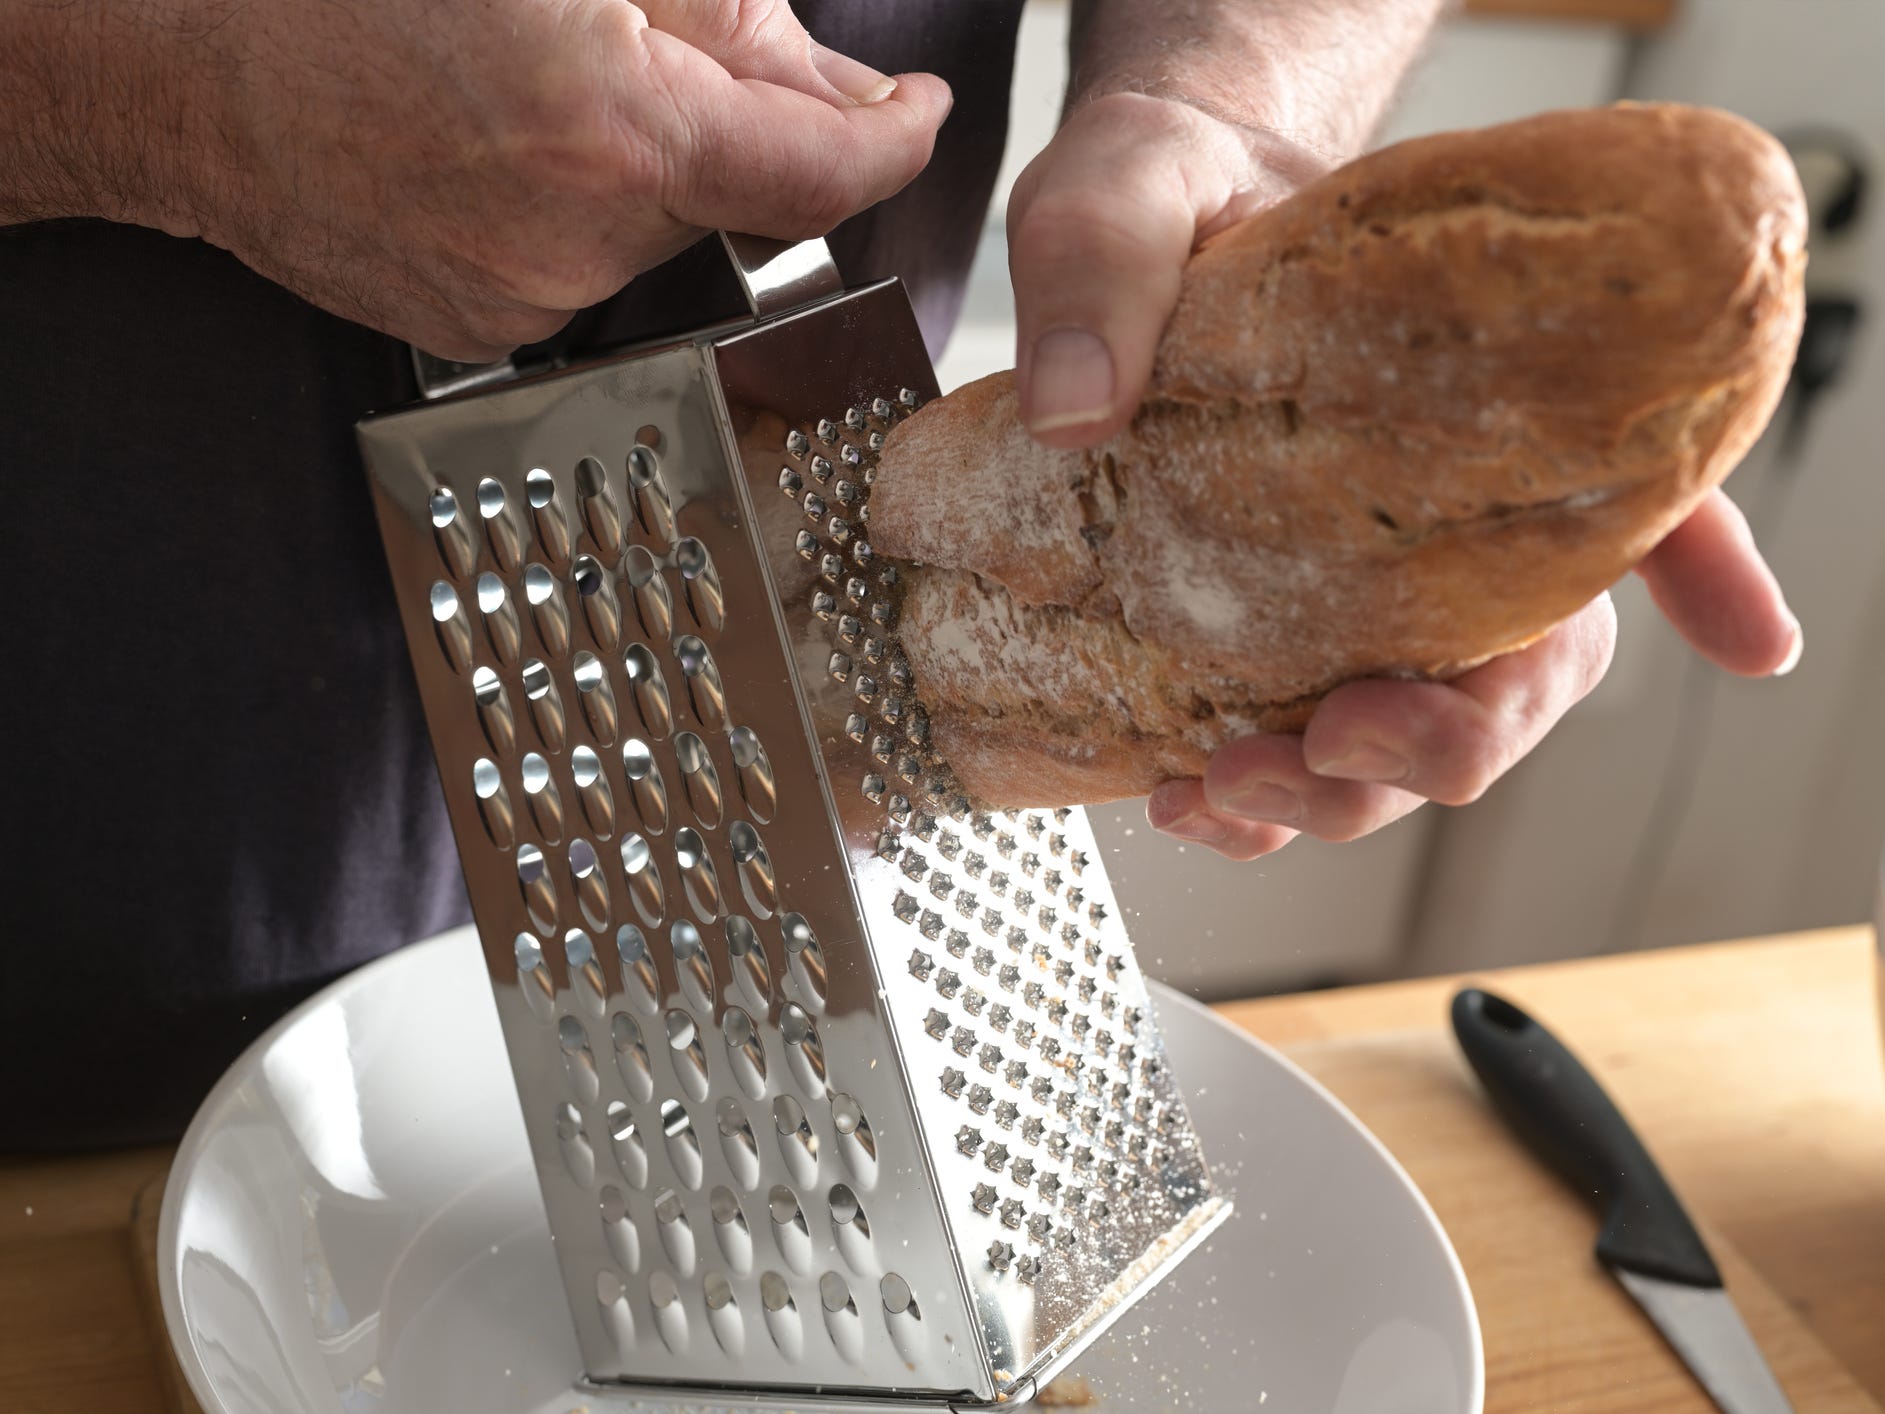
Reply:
x=1647, y=1241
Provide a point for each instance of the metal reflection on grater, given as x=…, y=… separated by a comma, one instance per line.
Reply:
x=739, y=917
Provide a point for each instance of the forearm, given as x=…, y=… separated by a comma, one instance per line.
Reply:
x=1318, y=73
x=86, y=128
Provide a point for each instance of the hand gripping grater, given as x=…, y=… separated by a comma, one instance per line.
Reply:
x=842, y=1091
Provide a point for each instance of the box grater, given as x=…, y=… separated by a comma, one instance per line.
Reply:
x=841, y=1090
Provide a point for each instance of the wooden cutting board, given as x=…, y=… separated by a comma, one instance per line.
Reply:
x=1560, y=1334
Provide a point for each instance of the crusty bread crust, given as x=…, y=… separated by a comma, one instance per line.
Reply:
x=1402, y=422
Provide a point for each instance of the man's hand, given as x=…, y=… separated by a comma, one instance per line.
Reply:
x=1100, y=227
x=463, y=177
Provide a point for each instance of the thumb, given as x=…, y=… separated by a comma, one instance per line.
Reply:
x=764, y=40
x=1099, y=229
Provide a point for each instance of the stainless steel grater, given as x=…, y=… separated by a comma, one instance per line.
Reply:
x=842, y=1091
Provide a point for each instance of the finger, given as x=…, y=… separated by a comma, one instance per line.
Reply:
x=1098, y=235
x=1450, y=741
x=754, y=157
x=1709, y=580
x=1263, y=778
x=1100, y=226
x=763, y=39
x=1178, y=808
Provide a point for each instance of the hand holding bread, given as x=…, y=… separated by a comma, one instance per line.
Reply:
x=1402, y=422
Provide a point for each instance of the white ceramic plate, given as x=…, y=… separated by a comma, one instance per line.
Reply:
x=352, y=1226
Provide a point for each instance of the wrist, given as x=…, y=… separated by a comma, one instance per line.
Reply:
x=95, y=121
x=1315, y=75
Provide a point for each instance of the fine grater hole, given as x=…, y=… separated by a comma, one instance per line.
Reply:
x=751, y=972
x=744, y=1052
x=805, y=959
x=737, y=1142
x=618, y=1230
x=797, y=1144
x=500, y=618
x=546, y=803
x=592, y=789
x=651, y=690
x=547, y=514
x=804, y=1051
x=654, y=605
x=730, y=1229
x=494, y=804
x=758, y=786
x=592, y=890
x=539, y=894
x=654, y=506
x=692, y=965
x=579, y=1158
x=639, y=981
x=451, y=625
x=649, y=791
x=690, y=1057
x=602, y=513
x=699, y=879
x=533, y=978
x=706, y=600
x=578, y=1060
x=585, y=971
x=790, y=1232
x=758, y=883
x=683, y=1143
x=494, y=712
x=699, y=780
x=631, y=1153
x=706, y=693
x=631, y=1057
x=595, y=695
x=547, y=609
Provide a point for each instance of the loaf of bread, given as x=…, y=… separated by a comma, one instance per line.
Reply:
x=1406, y=420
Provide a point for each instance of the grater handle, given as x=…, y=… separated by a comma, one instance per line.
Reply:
x=775, y=277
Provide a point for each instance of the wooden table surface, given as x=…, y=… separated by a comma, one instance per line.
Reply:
x=1753, y=1070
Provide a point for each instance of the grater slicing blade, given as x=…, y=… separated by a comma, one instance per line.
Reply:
x=839, y=1087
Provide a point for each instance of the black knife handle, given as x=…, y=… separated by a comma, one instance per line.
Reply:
x=1555, y=1105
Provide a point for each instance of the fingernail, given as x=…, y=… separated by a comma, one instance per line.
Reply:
x=857, y=81
x=1366, y=761
x=1263, y=800
x=1070, y=381
x=1792, y=660
x=1200, y=826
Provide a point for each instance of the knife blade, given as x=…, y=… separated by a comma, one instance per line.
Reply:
x=1547, y=1097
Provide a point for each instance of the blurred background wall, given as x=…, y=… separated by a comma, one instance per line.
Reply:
x=1676, y=804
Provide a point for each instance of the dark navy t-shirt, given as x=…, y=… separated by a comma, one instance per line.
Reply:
x=219, y=793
